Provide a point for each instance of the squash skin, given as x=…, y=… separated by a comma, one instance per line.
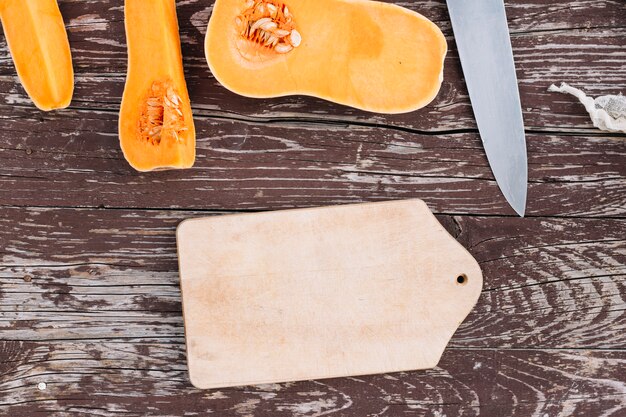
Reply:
x=38, y=42
x=154, y=56
x=365, y=54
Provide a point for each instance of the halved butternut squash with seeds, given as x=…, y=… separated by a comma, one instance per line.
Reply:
x=365, y=54
x=156, y=123
x=37, y=39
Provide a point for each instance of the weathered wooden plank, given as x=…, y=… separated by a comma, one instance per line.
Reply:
x=588, y=312
x=109, y=379
x=253, y=166
x=585, y=42
x=107, y=274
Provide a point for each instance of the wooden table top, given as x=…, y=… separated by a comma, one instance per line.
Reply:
x=91, y=321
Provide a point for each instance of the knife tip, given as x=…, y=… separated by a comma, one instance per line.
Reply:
x=518, y=203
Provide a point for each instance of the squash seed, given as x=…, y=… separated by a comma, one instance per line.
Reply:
x=273, y=10
x=259, y=23
x=295, y=38
x=283, y=48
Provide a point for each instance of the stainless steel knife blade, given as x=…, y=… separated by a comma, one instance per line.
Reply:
x=482, y=38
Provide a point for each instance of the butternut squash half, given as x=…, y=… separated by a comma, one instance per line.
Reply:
x=156, y=123
x=365, y=54
x=38, y=43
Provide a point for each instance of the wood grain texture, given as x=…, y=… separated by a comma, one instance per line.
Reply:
x=111, y=379
x=89, y=296
x=106, y=274
x=245, y=165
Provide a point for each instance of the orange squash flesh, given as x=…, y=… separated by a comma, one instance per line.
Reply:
x=365, y=54
x=156, y=123
x=38, y=42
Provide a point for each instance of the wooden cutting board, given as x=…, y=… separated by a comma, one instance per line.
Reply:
x=319, y=293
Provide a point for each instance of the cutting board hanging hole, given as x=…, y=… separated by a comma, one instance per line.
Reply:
x=461, y=279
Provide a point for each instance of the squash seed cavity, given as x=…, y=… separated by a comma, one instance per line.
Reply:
x=161, y=115
x=269, y=25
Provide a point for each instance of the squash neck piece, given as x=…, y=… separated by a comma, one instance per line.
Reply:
x=156, y=121
x=39, y=46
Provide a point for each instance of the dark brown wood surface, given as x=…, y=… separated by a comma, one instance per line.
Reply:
x=90, y=314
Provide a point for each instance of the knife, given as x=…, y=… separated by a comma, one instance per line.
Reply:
x=482, y=38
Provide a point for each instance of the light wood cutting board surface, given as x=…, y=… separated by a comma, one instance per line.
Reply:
x=319, y=293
